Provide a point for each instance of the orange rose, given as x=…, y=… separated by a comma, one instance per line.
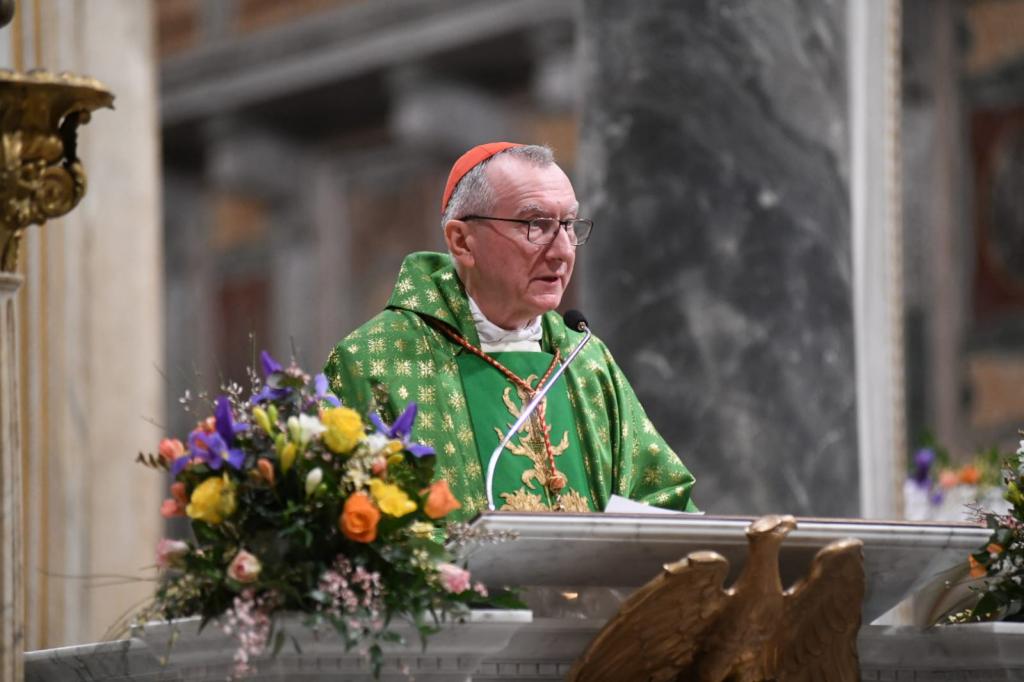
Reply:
x=179, y=493
x=176, y=505
x=970, y=474
x=977, y=570
x=359, y=518
x=440, y=500
x=266, y=470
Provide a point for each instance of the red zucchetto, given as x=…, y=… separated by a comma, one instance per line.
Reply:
x=467, y=161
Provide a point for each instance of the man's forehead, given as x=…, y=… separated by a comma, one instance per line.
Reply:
x=510, y=176
x=531, y=208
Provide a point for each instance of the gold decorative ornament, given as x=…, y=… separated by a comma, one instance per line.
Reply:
x=684, y=625
x=40, y=174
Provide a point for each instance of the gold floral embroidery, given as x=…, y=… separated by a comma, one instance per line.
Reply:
x=521, y=500
x=524, y=500
x=531, y=438
x=572, y=501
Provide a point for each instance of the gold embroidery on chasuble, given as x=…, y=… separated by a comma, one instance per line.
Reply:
x=523, y=476
x=530, y=442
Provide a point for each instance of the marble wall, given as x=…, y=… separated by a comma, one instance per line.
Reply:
x=714, y=161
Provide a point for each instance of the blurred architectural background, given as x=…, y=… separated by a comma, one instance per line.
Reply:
x=302, y=150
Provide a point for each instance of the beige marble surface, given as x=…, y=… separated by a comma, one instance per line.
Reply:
x=11, y=595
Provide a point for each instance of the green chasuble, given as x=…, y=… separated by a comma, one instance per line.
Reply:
x=602, y=440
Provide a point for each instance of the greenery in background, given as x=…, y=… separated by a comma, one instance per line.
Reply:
x=1000, y=563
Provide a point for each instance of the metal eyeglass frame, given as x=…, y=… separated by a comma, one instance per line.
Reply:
x=564, y=224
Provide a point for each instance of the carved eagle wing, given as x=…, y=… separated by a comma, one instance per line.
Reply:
x=822, y=616
x=657, y=630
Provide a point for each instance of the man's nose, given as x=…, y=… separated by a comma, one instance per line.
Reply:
x=562, y=248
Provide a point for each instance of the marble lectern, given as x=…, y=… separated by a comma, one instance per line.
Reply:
x=576, y=569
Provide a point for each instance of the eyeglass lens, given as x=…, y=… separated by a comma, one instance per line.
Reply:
x=545, y=230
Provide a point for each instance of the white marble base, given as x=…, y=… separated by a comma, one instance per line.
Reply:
x=455, y=653
x=506, y=646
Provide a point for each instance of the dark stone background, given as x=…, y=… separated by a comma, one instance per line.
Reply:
x=714, y=162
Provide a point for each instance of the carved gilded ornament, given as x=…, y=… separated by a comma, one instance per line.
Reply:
x=40, y=174
x=685, y=625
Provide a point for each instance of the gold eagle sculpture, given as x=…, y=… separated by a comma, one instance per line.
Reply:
x=685, y=625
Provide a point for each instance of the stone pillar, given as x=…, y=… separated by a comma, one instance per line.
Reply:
x=92, y=341
x=714, y=162
x=11, y=595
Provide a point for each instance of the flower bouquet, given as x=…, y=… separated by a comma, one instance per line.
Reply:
x=296, y=504
x=936, y=490
x=1001, y=561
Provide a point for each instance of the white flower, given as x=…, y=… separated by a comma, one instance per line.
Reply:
x=376, y=442
x=1020, y=450
x=170, y=553
x=313, y=479
x=304, y=427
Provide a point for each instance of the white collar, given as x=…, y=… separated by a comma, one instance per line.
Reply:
x=496, y=339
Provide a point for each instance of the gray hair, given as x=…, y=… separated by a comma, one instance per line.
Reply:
x=474, y=193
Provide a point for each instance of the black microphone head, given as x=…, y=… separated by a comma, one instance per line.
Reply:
x=574, y=320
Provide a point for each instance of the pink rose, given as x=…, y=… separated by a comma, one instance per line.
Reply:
x=453, y=578
x=171, y=449
x=169, y=553
x=244, y=568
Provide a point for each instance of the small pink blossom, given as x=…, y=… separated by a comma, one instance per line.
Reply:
x=169, y=553
x=480, y=589
x=245, y=567
x=453, y=578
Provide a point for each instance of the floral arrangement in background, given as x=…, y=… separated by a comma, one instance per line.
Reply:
x=935, y=490
x=1001, y=561
x=297, y=504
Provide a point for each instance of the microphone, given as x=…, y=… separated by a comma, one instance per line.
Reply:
x=574, y=320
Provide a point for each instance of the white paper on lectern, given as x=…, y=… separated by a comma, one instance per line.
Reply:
x=623, y=505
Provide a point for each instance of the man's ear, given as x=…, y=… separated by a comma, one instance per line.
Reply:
x=456, y=235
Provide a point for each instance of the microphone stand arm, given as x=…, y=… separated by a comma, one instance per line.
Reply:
x=492, y=463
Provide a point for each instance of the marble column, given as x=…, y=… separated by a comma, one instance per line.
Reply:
x=714, y=161
x=92, y=330
x=11, y=588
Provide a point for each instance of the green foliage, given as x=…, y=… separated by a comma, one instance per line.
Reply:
x=1001, y=561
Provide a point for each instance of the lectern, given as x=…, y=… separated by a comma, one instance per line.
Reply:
x=575, y=569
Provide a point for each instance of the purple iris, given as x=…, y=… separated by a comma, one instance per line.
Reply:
x=270, y=366
x=322, y=394
x=402, y=430
x=923, y=460
x=214, y=449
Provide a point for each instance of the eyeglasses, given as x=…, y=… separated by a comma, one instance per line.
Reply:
x=545, y=230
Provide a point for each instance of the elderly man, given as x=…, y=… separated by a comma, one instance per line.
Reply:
x=470, y=336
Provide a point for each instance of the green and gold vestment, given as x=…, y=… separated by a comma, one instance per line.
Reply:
x=603, y=441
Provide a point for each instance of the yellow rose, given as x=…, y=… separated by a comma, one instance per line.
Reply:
x=212, y=501
x=344, y=429
x=391, y=499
